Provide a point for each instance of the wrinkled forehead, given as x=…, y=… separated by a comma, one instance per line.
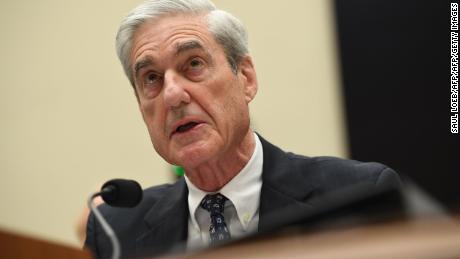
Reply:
x=172, y=23
x=168, y=31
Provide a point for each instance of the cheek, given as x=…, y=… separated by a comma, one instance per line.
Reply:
x=152, y=116
x=155, y=121
x=147, y=112
x=230, y=111
x=233, y=98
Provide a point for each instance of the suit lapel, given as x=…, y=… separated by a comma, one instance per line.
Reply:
x=166, y=222
x=283, y=187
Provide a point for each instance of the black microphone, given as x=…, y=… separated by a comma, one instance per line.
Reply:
x=121, y=193
x=117, y=193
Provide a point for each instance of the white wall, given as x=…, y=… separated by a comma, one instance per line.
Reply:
x=69, y=120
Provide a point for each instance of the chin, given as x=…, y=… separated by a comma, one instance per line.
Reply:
x=193, y=157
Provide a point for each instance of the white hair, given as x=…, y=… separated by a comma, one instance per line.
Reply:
x=227, y=30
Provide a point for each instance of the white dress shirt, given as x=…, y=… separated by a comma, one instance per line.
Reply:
x=241, y=211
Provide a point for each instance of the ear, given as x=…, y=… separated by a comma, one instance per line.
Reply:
x=249, y=77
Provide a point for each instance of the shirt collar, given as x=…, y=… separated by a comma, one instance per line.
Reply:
x=243, y=190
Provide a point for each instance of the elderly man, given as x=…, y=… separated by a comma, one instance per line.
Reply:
x=194, y=79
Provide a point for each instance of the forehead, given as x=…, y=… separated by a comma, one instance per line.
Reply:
x=164, y=33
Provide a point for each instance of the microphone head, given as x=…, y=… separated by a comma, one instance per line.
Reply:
x=121, y=193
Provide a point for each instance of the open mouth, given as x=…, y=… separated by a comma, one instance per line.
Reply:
x=186, y=127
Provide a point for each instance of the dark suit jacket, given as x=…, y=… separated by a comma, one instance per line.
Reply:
x=160, y=221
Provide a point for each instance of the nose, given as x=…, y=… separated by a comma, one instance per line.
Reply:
x=175, y=93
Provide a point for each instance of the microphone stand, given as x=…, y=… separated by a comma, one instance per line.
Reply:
x=105, y=226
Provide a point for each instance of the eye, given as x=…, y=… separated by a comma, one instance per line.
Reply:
x=151, y=83
x=196, y=64
x=195, y=68
x=150, y=79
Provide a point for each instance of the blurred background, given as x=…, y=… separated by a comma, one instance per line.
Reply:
x=360, y=79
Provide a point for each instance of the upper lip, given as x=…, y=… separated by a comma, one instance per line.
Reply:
x=181, y=122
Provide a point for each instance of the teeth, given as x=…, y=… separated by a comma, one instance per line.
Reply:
x=186, y=127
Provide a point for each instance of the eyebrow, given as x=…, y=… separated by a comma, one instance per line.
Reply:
x=147, y=61
x=182, y=47
x=188, y=45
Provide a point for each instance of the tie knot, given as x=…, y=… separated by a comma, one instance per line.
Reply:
x=214, y=203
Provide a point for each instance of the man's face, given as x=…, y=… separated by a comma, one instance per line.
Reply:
x=195, y=107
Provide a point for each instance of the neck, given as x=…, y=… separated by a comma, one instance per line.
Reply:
x=213, y=175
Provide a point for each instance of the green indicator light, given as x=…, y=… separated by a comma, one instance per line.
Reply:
x=178, y=170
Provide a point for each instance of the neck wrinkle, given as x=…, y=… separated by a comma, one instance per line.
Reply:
x=214, y=175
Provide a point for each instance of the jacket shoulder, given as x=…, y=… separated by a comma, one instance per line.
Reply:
x=326, y=172
x=322, y=173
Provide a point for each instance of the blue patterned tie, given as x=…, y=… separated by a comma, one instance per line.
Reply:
x=218, y=230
